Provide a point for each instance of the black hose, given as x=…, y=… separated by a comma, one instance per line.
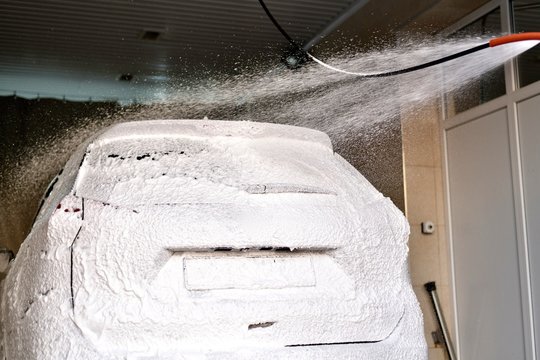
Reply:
x=431, y=63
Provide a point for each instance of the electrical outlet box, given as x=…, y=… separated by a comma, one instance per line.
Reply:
x=428, y=227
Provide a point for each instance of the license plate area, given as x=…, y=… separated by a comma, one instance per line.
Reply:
x=248, y=272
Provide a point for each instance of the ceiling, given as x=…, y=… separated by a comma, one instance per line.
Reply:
x=118, y=49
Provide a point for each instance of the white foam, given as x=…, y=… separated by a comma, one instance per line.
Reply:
x=314, y=254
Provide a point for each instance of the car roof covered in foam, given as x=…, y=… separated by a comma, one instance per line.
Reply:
x=209, y=128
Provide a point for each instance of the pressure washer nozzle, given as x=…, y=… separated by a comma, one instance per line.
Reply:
x=295, y=57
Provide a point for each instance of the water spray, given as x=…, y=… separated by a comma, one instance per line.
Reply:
x=299, y=55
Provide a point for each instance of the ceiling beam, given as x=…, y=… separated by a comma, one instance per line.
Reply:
x=355, y=7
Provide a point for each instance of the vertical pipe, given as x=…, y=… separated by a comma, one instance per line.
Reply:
x=431, y=288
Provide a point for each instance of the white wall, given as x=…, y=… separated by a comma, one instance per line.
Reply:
x=484, y=239
x=492, y=172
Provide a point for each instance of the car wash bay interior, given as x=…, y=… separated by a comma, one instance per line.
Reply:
x=471, y=166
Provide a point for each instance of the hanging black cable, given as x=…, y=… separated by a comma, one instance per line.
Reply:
x=294, y=57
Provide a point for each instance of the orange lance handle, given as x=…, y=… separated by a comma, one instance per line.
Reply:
x=514, y=38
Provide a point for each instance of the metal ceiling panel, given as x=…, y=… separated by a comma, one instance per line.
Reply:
x=106, y=38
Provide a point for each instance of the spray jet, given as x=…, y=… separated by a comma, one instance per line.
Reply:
x=298, y=56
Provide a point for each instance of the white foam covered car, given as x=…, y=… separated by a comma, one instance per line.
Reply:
x=212, y=240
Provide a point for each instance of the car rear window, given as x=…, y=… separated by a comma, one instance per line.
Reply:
x=191, y=170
